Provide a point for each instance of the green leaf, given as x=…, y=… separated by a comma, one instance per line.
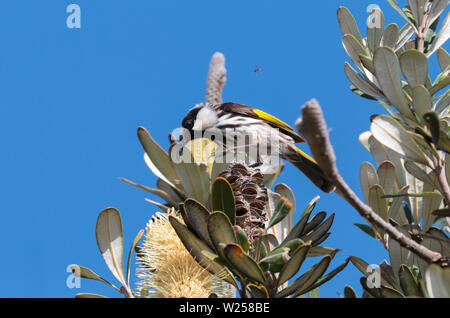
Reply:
x=417, y=8
x=293, y=265
x=354, y=49
x=437, y=280
x=375, y=28
x=223, y=198
x=390, y=36
x=198, y=218
x=347, y=23
x=377, y=202
x=366, y=229
x=368, y=177
x=349, y=292
x=160, y=193
x=442, y=36
x=437, y=9
x=316, y=236
x=359, y=82
x=297, y=230
x=196, y=247
x=84, y=272
x=404, y=35
x=241, y=238
x=422, y=100
x=432, y=119
x=220, y=231
x=109, y=236
x=194, y=177
x=408, y=282
x=388, y=73
x=156, y=158
x=255, y=291
x=331, y=274
x=386, y=174
x=281, y=211
x=244, y=263
x=418, y=172
x=391, y=134
x=443, y=59
x=414, y=65
x=133, y=245
x=302, y=284
x=396, y=7
x=360, y=264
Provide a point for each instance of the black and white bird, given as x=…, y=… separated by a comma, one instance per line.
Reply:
x=260, y=128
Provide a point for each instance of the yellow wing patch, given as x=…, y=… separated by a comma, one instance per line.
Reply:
x=305, y=155
x=271, y=119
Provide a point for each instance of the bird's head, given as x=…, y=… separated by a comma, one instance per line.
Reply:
x=200, y=118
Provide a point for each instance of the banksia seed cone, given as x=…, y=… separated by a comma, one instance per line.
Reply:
x=251, y=197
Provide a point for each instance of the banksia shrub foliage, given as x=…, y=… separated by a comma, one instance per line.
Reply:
x=409, y=187
x=167, y=270
x=221, y=231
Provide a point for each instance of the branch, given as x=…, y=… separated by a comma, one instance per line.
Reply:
x=216, y=79
x=313, y=127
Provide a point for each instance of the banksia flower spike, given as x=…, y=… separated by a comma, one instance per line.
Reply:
x=167, y=270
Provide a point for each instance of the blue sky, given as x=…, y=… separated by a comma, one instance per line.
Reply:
x=72, y=99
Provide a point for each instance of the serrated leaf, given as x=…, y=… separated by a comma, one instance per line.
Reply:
x=244, y=263
x=109, y=236
x=388, y=73
x=223, y=199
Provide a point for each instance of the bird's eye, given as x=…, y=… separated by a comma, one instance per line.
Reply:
x=188, y=123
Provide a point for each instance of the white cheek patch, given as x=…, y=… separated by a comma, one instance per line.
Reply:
x=206, y=118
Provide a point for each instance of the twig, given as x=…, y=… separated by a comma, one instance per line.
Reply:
x=314, y=129
x=216, y=79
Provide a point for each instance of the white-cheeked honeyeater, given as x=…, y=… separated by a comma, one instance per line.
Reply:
x=258, y=126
